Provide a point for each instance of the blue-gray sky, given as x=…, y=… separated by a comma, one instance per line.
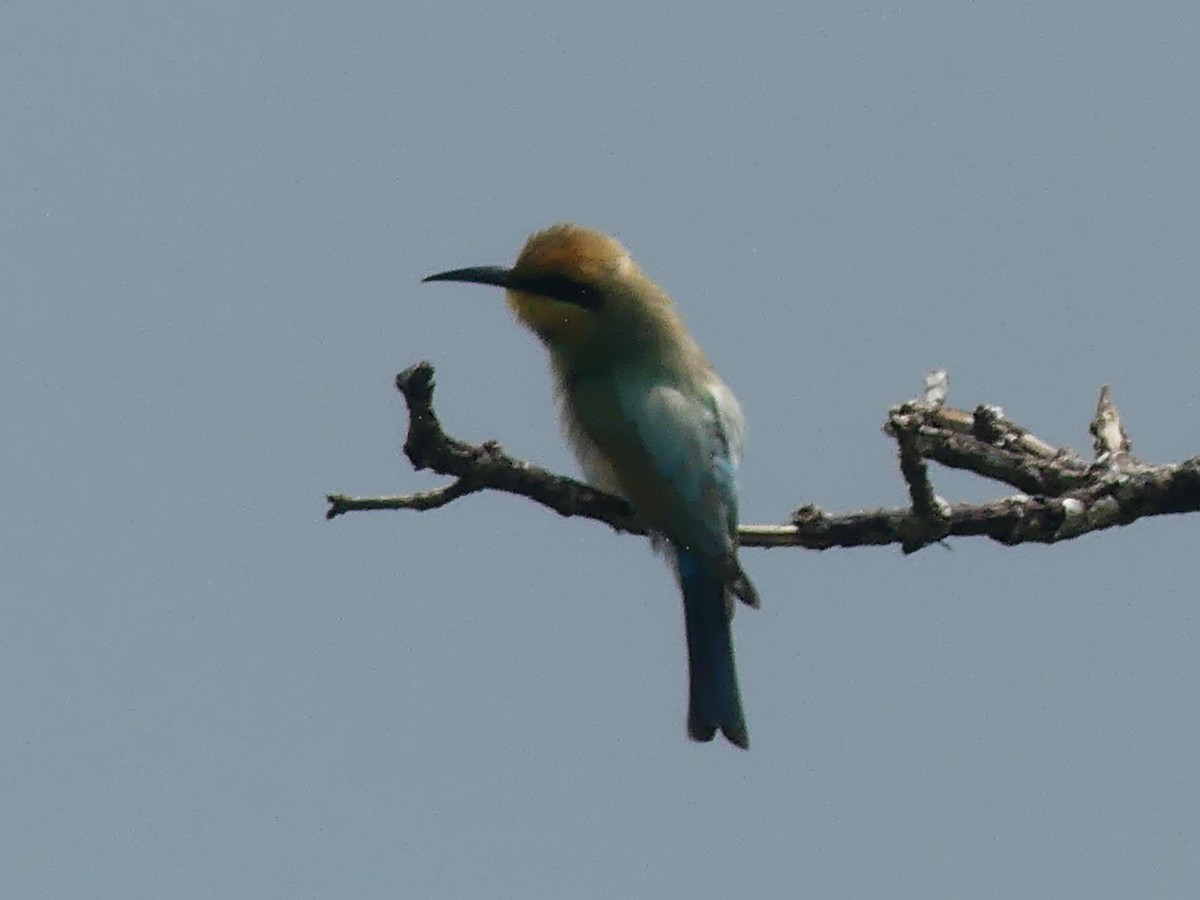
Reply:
x=215, y=217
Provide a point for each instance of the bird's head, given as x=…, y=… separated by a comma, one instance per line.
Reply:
x=580, y=292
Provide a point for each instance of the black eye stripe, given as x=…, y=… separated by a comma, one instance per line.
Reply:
x=561, y=287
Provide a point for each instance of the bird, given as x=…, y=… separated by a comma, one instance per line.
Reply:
x=650, y=420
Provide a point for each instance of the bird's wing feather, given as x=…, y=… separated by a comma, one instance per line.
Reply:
x=693, y=443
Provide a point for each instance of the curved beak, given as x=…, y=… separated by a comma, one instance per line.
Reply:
x=497, y=275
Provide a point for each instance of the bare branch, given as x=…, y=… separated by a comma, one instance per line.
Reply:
x=480, y=467
x=986, y=443
x=1062, y=496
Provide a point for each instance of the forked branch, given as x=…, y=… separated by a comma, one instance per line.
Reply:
x=1060, y=495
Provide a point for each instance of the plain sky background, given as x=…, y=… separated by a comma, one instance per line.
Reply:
x=215, y=217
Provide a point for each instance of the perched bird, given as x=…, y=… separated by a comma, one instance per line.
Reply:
x=650, y=420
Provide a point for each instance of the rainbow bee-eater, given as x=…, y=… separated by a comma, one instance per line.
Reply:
x=650, y=420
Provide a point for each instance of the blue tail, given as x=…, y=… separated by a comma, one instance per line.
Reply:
x=713, y=698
